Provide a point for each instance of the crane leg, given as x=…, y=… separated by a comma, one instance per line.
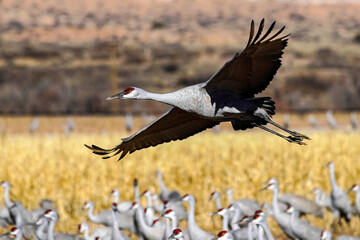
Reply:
x=293, y=133
x=292, y=139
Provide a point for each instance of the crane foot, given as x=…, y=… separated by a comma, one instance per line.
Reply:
x=295, y=139
x=299, y=135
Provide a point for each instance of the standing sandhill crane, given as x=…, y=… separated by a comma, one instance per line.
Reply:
x=149, y=210
x=165, y=193
x=41, y=224
x=313, y=122
x=116, y=234
x=339, y=198
x=216, y=195
x=228, y=96
x=150, y=233
x=123, y=206
x=259, y=218
x=301, y=204
x=282, y=218
x=129, y=122
x=101, y=232
x=246, y=205
x=353, y=121
x=301, y=229
x=322, y=199
x=53, y=217
x=194, y=231
x=356, y=188
x=177, y=234
x=331, y=120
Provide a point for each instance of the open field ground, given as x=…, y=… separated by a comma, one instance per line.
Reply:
x=60, y=168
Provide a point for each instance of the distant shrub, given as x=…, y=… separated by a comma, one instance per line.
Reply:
x=158, y=25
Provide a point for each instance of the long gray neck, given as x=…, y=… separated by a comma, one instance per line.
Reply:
x=225, y=221
x=275, y=200
x=235, y=218
x=143, y=225
x=217, y=201
x=116, y=198
x=86, y=232
x=137, y=194
x=91, y=215
x=40, y=230
x=174, y=223
x=158, y=205
x=167, y=98
x=357, y=200
x=250, y=230
x=149, y=200
x=191, y=214
x=19, y=235
x=230, y=196
x=162, y=185
x=332, y=177
x=168, y=231
x=260, y=233
x=7, y=201
x=292, y=221
x=267, y=231
x=51, y=229
x=115, y=234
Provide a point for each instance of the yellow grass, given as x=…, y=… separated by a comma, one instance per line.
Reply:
x=60, y=168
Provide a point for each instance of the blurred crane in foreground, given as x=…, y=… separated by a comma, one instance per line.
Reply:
x=228, y=96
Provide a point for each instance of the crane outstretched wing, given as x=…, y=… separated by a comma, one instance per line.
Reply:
x=175, y=124
x=251, y=71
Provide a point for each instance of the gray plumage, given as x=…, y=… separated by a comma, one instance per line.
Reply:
x=129, y=122
x=116, y=234
x=34, y=125
x=339, y=198
x=300, y=228
x=228, y=96
x=353, y=121
x=356, y=188
x=300, y=203
x=149, y=233
x=165, y=193
x=195, y=232
x=322, y=199
x=247, y=206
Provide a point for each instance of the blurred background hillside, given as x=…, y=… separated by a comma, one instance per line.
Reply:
x=65, y=57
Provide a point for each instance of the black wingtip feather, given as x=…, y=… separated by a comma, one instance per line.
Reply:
x=261, y=27
x=251, y=32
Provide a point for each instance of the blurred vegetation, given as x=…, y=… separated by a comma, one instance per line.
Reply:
x=64, y=57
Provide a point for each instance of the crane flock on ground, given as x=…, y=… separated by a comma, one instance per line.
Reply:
x=164, y=216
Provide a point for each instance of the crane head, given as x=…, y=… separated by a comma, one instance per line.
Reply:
x=129, y=93
x=354, y=188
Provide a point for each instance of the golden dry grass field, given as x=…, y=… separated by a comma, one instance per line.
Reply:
x=58, y=167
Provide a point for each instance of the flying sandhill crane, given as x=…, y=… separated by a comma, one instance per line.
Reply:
x=353, y=120
x=129, y=122
x=34, y=125
x=300, y=228
x=331, y=120
x=356, y=188
x=195, y=232
x=228, y=96
x=312, y=121
x=177, y=234
x=339, y=198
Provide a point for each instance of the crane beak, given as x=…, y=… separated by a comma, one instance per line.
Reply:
x=116, y=96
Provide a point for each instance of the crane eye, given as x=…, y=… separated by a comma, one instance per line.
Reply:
x=128, y=90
